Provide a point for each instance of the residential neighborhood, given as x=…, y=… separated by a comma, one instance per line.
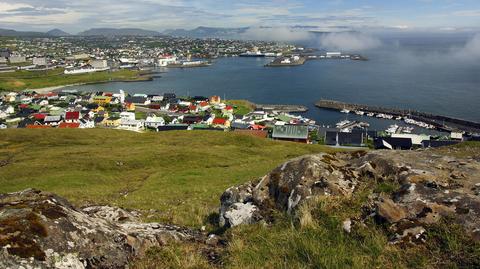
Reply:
x=169, y=112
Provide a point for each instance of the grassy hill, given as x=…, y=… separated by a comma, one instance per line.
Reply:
x=177, y=177
x=22, y=80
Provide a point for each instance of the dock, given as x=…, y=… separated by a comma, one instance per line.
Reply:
x=282, y=108
x=442, y=123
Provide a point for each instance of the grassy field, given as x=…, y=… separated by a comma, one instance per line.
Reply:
x=22, y=80
x=180, y=175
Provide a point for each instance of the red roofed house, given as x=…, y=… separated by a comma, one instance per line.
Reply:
x=39, y=116
x=192, y=108
x=228, y=109
x=72, y=116
x=204, y=106
x=64, y=125
x=221, y=122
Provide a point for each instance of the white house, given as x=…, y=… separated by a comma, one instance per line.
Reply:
x=7, y=109
x=86, y=124
x=131, y=125
x=127, y=116
x=154, y=122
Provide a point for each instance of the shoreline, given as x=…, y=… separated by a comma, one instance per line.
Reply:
x=56, y=88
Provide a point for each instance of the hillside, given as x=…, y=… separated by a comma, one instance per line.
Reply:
x=109, y=32
x=378, y=209
x=180, y=175
x=23, y=80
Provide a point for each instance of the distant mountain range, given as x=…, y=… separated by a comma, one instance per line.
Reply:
x=109, y=32
x=58, y=33
x=199, y=32
x=8, y=32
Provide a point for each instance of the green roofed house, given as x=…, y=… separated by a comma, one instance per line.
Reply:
x=295, y=133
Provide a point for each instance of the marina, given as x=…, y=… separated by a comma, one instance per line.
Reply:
x=413, y=117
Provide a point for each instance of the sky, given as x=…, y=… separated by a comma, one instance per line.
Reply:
x=78, y=15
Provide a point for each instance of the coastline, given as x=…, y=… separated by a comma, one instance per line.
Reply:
x=59, y=87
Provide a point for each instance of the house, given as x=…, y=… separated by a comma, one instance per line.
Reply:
x=3, y=126
x=52, y=120
x=131, y=125
x=221, y=122
x=238, y=124
x=137, y=100
x=191, y=119
x=393, y=143
x=102, y=100
x=154, y=122
x=86, y=124
x=295, y=133
x=227, y=110
x=7, y=109
x=344, y=139
x=68, y=125
x=99, y=121
x=215, y=100
x=72, y=116
x=203, y=106
x=456, y=136
x=127, y=116
x=112, y=122
x=416, y=139
x=129, y=106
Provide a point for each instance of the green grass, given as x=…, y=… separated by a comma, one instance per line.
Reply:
x=23, y=80
x=241, y=107
x=181, y=175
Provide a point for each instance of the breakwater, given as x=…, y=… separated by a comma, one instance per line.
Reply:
x=282, y=108
x=440, y=122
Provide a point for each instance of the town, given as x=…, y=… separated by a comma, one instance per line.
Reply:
x=78, y=54
x=169, y=112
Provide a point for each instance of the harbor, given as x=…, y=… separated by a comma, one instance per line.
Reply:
x=412, y=117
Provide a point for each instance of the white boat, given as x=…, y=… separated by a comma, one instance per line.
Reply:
x=359, y=112
x=370, y=114
x=341, y=124
x=392, y=129
x=345, y=111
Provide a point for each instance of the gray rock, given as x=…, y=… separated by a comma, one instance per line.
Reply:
x=42, y=230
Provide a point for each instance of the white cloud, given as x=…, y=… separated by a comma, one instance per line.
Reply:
x=275, y=34
x=349, y=41
x=7, y=7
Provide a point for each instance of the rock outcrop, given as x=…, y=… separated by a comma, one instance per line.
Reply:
x=42, y=230
x=430, y=186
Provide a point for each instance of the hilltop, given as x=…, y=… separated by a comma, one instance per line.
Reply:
x=320, y=208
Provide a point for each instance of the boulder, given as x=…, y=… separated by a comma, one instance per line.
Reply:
x=42, y=230
x=430, y=186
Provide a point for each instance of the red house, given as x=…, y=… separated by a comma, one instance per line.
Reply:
x=72, y=116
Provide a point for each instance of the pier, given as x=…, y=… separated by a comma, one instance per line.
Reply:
x=282, y=108
x=443, y=123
